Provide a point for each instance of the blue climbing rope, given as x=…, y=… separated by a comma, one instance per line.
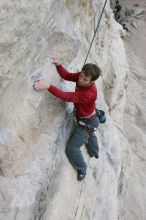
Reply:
x=95, y=30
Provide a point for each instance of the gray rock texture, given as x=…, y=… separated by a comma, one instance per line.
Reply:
x=36, y=180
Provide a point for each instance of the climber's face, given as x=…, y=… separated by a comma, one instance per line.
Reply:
x=84, y=80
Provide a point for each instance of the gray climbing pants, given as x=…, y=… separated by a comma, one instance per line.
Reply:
x=79, y=137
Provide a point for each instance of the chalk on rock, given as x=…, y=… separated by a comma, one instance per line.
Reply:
x=36, y=74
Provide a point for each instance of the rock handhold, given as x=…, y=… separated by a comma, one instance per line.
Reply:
x=133, y=24
x=139, y=12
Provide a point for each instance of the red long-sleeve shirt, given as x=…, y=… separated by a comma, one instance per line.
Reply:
x=83, y=98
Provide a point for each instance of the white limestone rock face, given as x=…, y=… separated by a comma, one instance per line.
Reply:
x=132, y=199
x=37, y=181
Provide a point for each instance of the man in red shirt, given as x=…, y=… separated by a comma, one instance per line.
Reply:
x=84, y=99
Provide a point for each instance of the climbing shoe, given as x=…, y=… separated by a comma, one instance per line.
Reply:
x=81, y=175
x=96, y=156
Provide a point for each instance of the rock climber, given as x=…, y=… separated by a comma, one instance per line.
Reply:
x=117, y=10
x=125, y=28
x=84, y=99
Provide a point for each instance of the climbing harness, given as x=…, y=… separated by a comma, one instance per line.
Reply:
x=95, y=30
x=88, y=128
x=89, y=117
x=82, y=120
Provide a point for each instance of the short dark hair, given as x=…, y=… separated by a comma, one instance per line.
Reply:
x=92, y=70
